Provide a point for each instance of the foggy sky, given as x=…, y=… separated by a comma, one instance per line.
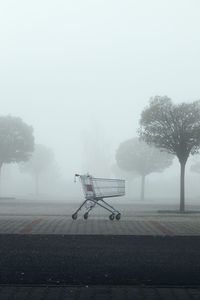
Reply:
x=67, y=65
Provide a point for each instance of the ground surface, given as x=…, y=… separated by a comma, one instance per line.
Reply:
x=99, y=259
x=25, y=217
x=145, y=255
x=138, y=225
x=97, y=293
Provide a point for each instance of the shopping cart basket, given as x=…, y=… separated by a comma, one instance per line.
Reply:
x=95, y=190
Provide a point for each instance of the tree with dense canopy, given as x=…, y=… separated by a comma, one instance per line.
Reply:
x=16, y=140
x=40, y=162
x=174, y=128
x=137, y=156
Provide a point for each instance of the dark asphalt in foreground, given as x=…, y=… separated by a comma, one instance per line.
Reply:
x=99, y=260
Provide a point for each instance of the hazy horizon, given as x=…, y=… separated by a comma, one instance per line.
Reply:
x=76, y=70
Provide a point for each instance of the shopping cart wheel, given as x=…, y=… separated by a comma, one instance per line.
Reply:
x=74, y=216
x=118, y=216
x=86, y=216
x=111, y=217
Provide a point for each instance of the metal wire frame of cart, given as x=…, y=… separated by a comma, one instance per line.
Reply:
x=95, y=191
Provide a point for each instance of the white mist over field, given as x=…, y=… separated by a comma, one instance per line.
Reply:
x=81, y=72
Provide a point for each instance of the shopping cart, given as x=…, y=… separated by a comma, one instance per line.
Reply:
x=95, y=190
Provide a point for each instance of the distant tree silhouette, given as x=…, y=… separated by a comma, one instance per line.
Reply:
x=16, y=140
x=175, y=128
x=39, y=163
x=129, y=176
x=137, y=156
x=119, y=173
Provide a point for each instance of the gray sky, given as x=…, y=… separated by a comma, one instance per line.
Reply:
x=66, y=65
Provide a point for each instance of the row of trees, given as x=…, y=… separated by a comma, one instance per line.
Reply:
x=174, y=129
x=168, y=129
x=17, y=145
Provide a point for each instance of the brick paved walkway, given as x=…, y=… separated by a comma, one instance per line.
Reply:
x=138, y=225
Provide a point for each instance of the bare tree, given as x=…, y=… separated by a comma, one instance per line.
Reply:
x=175, y=128
x=137, y=156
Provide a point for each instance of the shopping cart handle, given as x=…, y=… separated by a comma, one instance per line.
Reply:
x=76, y=175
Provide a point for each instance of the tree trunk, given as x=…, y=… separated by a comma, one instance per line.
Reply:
x=142, y=187
x=182, y=187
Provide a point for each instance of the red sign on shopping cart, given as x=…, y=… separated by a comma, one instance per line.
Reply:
x=89, y=188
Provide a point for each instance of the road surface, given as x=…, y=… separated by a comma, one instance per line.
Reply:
x=92, y=259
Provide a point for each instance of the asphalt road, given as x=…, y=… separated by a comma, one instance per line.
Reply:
x=105, y=260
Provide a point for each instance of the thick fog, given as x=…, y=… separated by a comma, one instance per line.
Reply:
x=81, y=72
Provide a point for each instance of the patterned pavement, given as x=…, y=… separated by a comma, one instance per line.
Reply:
x=136, y=225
